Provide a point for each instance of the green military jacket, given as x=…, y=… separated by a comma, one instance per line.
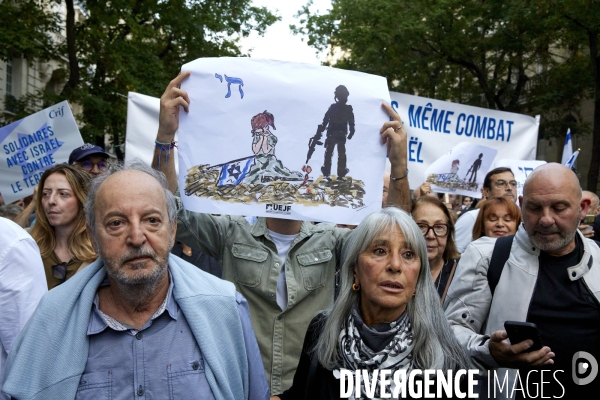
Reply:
x=249, y=258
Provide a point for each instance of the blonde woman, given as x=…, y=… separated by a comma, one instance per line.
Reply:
x=59, y=229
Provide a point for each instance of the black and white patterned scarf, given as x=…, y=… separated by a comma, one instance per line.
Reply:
x=397, y=355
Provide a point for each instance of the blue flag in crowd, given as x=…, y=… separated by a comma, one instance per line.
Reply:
x=567, y=149
x=571, y=161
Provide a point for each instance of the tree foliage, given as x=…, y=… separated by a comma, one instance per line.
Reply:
x=27, y=28
x=580, y=29
x=140, y=45
x=511, y=55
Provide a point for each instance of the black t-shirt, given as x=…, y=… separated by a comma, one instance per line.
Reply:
x=568, y=318
x=442, y=279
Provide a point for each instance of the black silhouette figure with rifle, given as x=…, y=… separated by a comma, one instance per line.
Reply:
x=339, y=123
x=474, y=168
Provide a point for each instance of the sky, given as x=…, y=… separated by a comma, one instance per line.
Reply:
x=279, y=43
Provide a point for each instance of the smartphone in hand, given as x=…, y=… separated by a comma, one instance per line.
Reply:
x=519, y=331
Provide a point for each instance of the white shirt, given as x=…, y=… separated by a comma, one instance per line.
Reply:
x=283, y=243
x=463, y=230
x=22, y=284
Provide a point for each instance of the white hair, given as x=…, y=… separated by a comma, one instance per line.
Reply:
x=435, y=345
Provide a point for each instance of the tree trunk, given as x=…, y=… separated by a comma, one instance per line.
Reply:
x=117, y=147
x=72, y=52
x=592, y=181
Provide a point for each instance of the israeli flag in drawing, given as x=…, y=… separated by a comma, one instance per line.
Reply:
x=234, y=171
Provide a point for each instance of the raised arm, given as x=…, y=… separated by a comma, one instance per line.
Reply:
x=394, y=134
x=170, y=101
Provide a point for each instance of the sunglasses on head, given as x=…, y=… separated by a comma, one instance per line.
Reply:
x=59, y=271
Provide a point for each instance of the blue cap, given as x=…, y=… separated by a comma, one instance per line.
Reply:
x=86, y=150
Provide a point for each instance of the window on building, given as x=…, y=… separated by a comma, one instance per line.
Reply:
x=10, y=100
x=9, y=77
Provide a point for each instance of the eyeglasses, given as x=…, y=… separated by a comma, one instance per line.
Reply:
x=88, y=165
x=438, y=229
x=59, y=271
x=501, y=183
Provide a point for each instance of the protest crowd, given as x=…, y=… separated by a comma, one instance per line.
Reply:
x=110, y=288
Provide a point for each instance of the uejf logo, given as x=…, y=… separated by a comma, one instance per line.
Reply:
x=584, y=367
x=278, y=209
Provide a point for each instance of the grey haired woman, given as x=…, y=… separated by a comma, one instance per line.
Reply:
x=388, y=314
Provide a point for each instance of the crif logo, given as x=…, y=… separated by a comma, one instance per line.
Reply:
x=278, y=209
x=584, y=368
x=59, y=112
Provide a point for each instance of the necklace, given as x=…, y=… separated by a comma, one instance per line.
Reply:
x=439, y=279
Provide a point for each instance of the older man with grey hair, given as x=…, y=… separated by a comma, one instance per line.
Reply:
x=137, y=322
x=549, y=276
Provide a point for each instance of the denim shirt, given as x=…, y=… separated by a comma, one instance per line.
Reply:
x=249, y=259
x=159, y=361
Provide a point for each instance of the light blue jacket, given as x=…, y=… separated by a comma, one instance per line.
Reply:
x=49, y=356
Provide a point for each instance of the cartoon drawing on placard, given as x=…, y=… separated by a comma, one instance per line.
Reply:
x=339, y=122
x=466, y=153
x=266, y=166
x=474, y=168
x=454, y=171
x=454, y=168
x=263, y=177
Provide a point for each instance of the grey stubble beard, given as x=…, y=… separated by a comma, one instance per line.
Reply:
x=553, y=246
x=140, y=290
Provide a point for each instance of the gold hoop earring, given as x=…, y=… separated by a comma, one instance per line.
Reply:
x=355, y=287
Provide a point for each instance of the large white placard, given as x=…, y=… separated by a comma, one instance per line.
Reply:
x=434, y=127
x=258, y=133
x=142, y=124
x=32, y=145
x=460, y=170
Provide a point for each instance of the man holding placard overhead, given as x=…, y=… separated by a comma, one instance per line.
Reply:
x=284, y=268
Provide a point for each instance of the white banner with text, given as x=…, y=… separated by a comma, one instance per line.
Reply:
x=32, y=145
x=436, y=127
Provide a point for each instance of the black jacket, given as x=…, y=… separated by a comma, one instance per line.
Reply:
x=322, y=385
